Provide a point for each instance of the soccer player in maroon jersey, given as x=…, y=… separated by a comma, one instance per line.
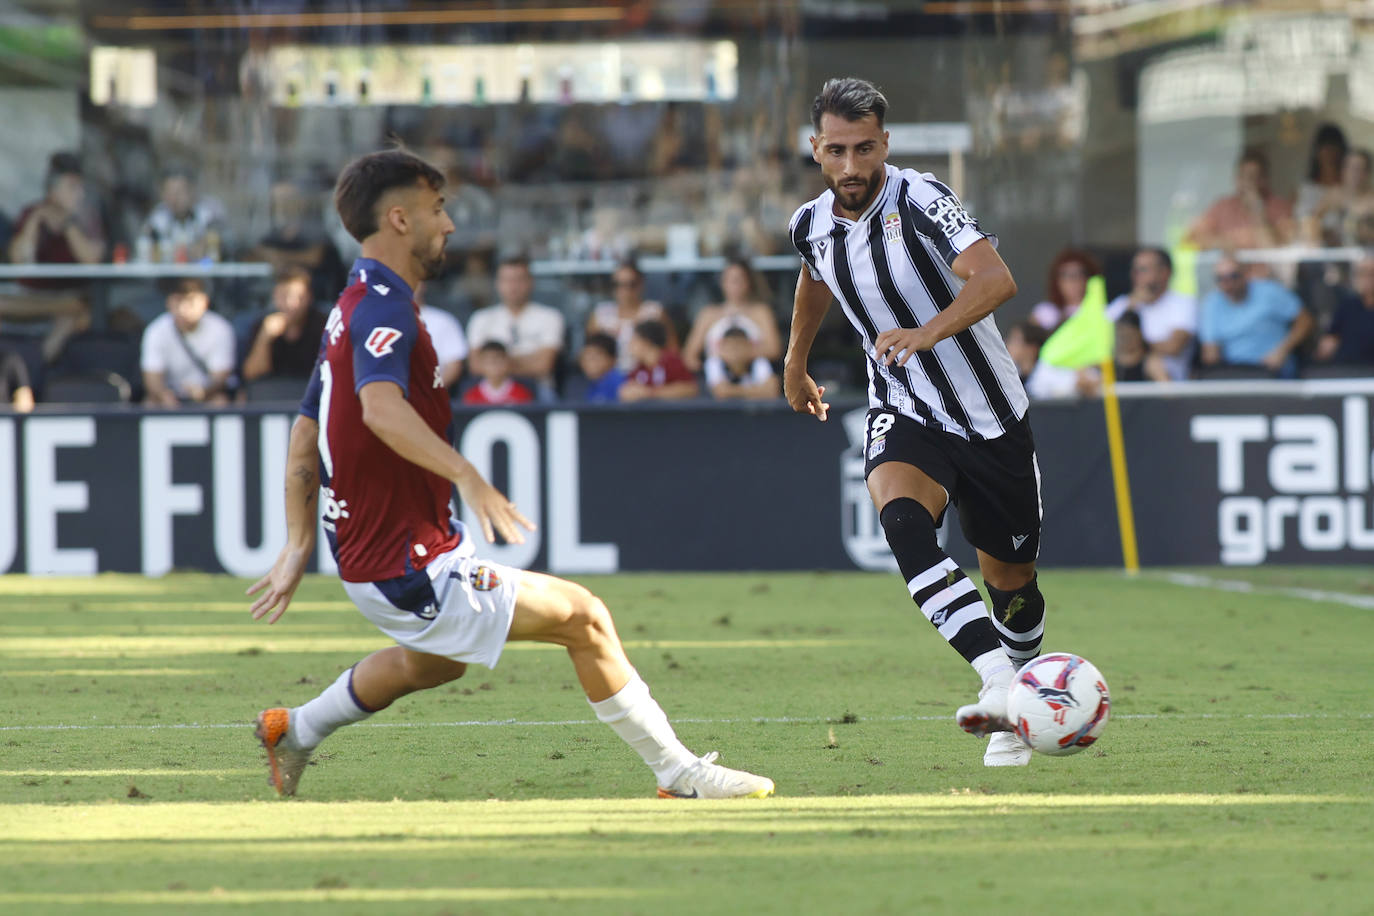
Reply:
x=374, y=439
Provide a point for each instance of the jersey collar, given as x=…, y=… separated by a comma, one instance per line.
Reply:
x=379, y=273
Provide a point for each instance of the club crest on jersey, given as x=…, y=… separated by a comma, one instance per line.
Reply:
x=381, y=341
x=484, y=579
x=892, y=227
x=949, y=216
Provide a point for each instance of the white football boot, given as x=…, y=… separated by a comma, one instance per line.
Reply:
x=989, y=714
x=704, y=778
x=1006, y=749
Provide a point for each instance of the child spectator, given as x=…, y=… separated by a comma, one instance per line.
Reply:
x=620, y=316
x=531, y=333
x=492, y=364
x=601, y=378
x=739, y=308
x=738, y=372
x=1167, y=319
x=659, y=373
x=286, y=341
x=188, y=352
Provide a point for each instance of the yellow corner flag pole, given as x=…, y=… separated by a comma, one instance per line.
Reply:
x=1116, y=446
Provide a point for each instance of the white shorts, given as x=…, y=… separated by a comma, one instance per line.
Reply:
x=458, y=606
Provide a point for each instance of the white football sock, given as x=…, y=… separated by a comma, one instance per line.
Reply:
x=637, y=718
x=994, y=667
x=327, y=713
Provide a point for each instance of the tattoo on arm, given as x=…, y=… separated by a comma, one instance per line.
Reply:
x=308, y=483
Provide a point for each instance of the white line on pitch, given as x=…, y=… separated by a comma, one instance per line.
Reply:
x=751, y=720
x=1191, y=580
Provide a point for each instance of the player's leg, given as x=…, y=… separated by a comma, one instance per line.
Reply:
x=909, y=500
x=1000, y=515
x=290, y=736
x=552, y=610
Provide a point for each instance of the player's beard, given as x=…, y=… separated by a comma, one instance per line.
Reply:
x=857, y=201
x=431, y=263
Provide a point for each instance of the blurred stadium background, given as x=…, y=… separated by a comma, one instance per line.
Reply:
x=674, y=133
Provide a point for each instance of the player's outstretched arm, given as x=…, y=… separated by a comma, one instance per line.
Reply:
x=987, y=284
x=809, y=305
x=389, y=416
x=302, y=496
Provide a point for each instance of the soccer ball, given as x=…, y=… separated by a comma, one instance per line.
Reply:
x=1059, y=704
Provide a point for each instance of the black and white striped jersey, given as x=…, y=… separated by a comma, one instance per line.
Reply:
x=891, y=268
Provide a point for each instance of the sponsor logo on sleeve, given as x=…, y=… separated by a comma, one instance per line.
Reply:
x=949, y=215
x=381, y=341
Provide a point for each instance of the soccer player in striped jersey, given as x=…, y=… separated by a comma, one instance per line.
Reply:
x=373, y=439
x=919, y=280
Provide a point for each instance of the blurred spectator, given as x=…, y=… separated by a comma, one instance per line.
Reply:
x=188, y=352
x=659, y=374
x=1349, y=340
x=1024, y=341
x=16, y=392
x=738, y=372
x=619, y=317
x=1345, y=214
x=1251, y=322
x=59, y=229
x=1068, y=284
x=1168, y=320
x=740, y=309
x=1131, y=362
x=286, y=342
x=183, y=226
x=600, y=378
x=1252, y=217
x=450, y=344
x=1130, y=353
x=1323, y=175
x=531, y=333
x=492, y=365
x=296, y=240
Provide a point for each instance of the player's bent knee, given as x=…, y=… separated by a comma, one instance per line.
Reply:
x=589, y=621
x=426, y=671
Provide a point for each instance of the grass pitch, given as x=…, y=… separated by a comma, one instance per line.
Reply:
x=1234, y=777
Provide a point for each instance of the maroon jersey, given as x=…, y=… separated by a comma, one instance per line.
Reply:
x=384, y=516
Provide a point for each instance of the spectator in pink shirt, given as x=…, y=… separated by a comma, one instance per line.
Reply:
x=1252, y=217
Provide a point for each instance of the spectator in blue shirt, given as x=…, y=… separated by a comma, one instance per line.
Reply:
x=599, y=382
x=1349, y=340
x=1251, y=322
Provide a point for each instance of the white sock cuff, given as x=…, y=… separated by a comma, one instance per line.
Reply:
x=619, y=704
x=992, y=665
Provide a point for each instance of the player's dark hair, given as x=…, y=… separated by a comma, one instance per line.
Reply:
x=603, y=342
x=364, y=180
x=652, y=333
x=181, y=286
x=850, y=98
x=291, y=273
x=493, y=346
x=735, y=333
x=60, y=164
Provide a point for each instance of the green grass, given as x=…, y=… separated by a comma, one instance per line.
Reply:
x=1234, y=777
